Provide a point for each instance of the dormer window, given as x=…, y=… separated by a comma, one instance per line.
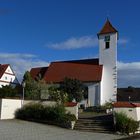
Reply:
x=107, y=42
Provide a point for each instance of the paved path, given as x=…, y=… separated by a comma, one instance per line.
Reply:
x=23, y=130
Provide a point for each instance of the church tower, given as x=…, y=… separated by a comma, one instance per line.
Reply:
x=108, y=37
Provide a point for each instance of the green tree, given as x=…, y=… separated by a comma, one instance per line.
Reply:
x=34, y=89
x=42, y=89
x=27, y=77
x=74, y=88
x=57, y=95
x=9, y=91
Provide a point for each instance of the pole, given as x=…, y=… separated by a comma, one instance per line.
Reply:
x=23, y=97
x=23, y=92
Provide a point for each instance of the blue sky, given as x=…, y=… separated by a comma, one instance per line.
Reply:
x=36, y=32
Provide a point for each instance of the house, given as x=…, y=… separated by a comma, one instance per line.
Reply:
x=7, y=76
x=99, y=75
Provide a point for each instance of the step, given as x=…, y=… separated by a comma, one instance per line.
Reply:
x=99, y=129
x=92, y=120
x=93, y=129
x=103, y=124
x=94, y=126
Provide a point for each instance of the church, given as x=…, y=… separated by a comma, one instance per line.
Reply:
x=99, y=75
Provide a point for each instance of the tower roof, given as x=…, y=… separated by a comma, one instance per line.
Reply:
x=107, y=28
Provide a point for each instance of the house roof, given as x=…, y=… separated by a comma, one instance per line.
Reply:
x=94, y=61
x=3, y=69
x=126, y=104
x=87, y=70
x=57, y=71
x=107, y=28
x=35, y=72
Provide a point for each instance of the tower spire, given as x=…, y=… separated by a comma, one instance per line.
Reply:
x=107, y=28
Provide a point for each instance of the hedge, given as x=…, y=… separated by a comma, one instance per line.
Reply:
x=51, y=115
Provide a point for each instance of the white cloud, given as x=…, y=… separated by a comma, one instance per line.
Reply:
x=75, y=43
x=129, y=74
x=21, y=62
x=16, y=55
x=123, y=41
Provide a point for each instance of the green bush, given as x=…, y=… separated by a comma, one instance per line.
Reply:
x=125, y=124
x=107, y=105
x=9, y=91
x=52, y=115
x=30, y=111
x=65, y=121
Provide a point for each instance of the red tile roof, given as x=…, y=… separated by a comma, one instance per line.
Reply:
x=70, y=104
x=94, y=61
x=35, y=72
x=107, y=28
x=87, y=70
x=57, y=71
x=3, y=69
x=126, y=104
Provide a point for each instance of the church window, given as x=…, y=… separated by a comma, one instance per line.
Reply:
x=107, y=42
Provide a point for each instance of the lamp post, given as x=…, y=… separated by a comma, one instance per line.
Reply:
x=23, y=89
x=129, y=98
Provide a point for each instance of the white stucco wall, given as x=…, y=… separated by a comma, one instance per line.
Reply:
x=73, y=110
x=93, y=94
x=8, y=108
x=108, y=58
x=138, y=113
x=130, y=112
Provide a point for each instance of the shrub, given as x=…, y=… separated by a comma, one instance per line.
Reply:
x=107, y=105
x=30, y=111
x=125, y=124
x=65, y=121
x=9, y=91
x=52, y=115
x=57, y=95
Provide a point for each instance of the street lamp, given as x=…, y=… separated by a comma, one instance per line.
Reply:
x=23, y=89
x=129, y=98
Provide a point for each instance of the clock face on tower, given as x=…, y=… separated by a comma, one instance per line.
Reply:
x=107, y=38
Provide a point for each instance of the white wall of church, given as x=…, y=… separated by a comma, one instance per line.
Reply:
x=108, y=58
x=93, y=94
